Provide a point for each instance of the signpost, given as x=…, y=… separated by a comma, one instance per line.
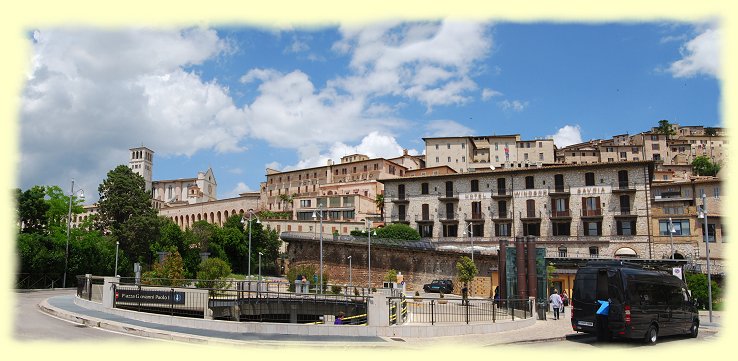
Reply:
x=148, y=296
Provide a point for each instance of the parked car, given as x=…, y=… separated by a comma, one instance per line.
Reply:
x=643, y=304
x=445, y=286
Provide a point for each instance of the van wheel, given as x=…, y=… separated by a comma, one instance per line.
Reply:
x=652, y=335
x=694, y=330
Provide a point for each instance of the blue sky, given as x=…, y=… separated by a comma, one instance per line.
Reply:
x=240, y=99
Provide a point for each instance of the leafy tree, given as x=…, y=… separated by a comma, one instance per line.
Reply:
x=212, y=273
x=710, y=132
x=203, y=232
x=466, y=270
x=391, y=276
x=125, y=211
x=170, y=272
x=398, y=231
x=32, y=209
x=59, y=207
x=703, y=166
x=665, y=128
x=379, y=202
x=697, y=283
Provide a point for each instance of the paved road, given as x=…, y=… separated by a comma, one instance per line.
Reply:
x=587, y=342
x=31, y=324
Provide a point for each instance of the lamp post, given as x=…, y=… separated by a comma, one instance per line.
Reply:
x=470, y=232
x=260, y=254
x=671, y=237
x=116, y=258
x=350, y=281
x=244, y=220
x=320, y=208
x=369, y=244
x=703, y=214
x=69, y=224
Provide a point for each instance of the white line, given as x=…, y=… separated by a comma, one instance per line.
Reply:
x=103, y=329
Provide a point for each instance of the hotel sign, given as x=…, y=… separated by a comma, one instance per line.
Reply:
x=584, y=191
x=531, y=193
x=475, y=195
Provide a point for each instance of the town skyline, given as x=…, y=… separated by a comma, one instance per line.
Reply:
x=244, y=99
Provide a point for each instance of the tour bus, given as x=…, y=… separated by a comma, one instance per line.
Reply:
x=633, y=302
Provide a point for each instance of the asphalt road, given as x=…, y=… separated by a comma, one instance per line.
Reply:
x=30, y=324
x=581, y=342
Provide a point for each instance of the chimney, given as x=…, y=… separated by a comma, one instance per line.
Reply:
x=404, y=152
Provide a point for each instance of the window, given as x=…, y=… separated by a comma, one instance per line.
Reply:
x=424, y=188
x=502, y=209
x=448, y=146
x=463, y=145
x=610, y=159
x=626, y=227
x=562, y=229
x=655, y=137
x=634, y=150
x=463, y=158
x=449, y=159
x=436, y=146
x=623, y=155
x=502, y=229
x=716, y=192
x=655, y=146
x=594, y=252
x=437, y=160
x=592, y=228
x=589, y=179
x=530, y=208
x=525, y=156
x=562, y=251
x=681, y=227
x=475, y=185
x=305, y=203
x=497, y=146
x=529, y=182
x=540, y=156
x=532, y=229
x=609, y=149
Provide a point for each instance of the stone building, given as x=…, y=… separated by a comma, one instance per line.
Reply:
x=479, y=153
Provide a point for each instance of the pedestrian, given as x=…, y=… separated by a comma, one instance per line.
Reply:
x=564, y=301
x=339, y=319
x=304, y=284
x=556, y=303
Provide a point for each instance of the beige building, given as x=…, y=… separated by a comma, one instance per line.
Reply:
x=202, y=188
x=142, y=163
x=591, y=210
x=480, y=153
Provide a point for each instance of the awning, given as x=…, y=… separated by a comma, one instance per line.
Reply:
x=626, y=252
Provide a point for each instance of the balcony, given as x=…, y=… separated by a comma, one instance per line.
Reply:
x=623, y=187
x=625, y=213
x=448, y=218
x=530, y=216
x=448, y=196
x=502, y=193
x=565, y=214
x=591, y=213
x=424, y=218
x=559, y=190
x=502, y=217
x=670, y=197
x=474, y=217
x=396, y=218
x=400, y=198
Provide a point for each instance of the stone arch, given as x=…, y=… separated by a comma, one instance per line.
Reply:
x=678, y=255
x=212, y=217
x=199, y=217
x=625, y=252
x=220, y=220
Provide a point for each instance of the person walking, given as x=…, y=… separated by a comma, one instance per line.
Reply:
x=564, y=301
x=556, y=303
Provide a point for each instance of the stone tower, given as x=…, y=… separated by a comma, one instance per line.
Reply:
x=142, y=163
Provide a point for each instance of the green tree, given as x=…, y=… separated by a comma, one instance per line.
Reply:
x=379, y=202
x=466, y=270
x=665, y=128
x=398, y=231
x=697, y=283
x=212, y=273
x=703, y=166
x=59, y=207
x=125, y=211
x=391, y=276
x=32, y=208
x=170, y=272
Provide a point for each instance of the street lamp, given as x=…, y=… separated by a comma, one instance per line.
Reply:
x=244, y=220
x=350, y=283
x=703, y=214
x=69, y=224
x=470, y=230
x=260, y=254
x=671, y=237
x=369, y=242
x=320, y=208
x=116, y=258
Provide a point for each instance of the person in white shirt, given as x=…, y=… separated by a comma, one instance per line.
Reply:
x=556, y=303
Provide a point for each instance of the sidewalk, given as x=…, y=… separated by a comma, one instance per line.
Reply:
x=542, y=330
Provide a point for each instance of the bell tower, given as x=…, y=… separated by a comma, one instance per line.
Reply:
x=142, y=163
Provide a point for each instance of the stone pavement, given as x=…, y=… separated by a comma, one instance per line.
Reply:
x=542, y=330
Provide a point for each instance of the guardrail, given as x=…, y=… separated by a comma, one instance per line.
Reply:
x=422, y=310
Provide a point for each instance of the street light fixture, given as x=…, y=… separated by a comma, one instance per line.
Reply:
x=244, y=220
x=470, y=230
x=350, y=283
x=671, y=237
x=69, y=224
x=703, y=214
x=369, y=243
x=260, y=254
x=116, y=258
x=320, y=208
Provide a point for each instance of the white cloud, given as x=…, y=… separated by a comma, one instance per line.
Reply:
x=700, y=55
x=427, y=62
x=515, y=105
x=487, y=94
x=446, y=128
x=92, y=94
x=567, y=135
x=240, y=188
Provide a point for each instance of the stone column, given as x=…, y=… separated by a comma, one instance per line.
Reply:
x=520, y=264
x=108, y=291
x=502, y=268
x=532, y=274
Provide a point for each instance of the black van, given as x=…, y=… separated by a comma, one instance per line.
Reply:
x=643, y=304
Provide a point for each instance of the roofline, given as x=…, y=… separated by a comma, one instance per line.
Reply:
x=334, y=165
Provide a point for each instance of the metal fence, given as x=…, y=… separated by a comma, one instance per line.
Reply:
x=90, y=288
x=422, y=310
x=37, y=281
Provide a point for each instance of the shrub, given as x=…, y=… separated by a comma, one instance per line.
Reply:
x=398, y=231
x=168, y=273
x=335, y=289
x=212, y=273
x=391, y=276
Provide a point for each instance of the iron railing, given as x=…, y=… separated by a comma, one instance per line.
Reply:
x=37, y=281
x=424, y=310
